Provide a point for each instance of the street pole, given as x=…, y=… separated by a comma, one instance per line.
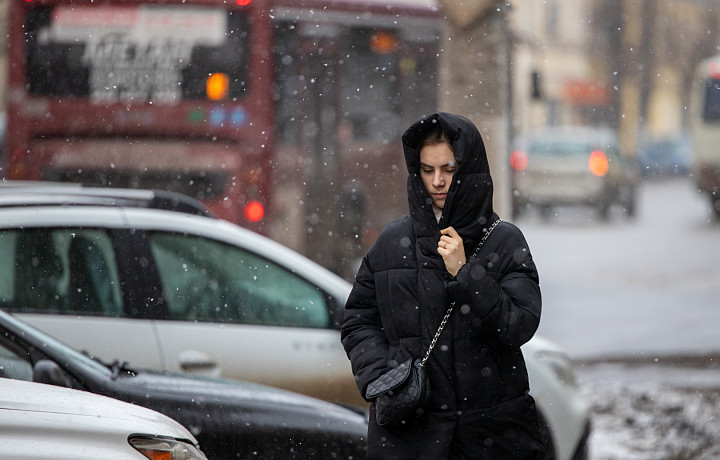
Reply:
x=475, y=80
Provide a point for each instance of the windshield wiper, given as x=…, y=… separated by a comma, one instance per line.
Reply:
x=119, y=366
x=116, y=367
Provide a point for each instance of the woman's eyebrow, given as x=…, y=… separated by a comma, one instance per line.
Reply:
x=448, y=164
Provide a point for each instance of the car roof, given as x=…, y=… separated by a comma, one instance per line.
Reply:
x=41, y=193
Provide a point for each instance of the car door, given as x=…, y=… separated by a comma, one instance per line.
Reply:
x=236, y=314
x=66, y=281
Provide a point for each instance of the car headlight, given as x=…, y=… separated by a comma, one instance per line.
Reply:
x=560, y=365
x=160, y=448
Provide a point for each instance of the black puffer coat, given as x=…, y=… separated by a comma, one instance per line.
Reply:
x=479, y=406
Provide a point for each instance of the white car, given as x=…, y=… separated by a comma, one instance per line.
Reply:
x=173, y=291
x=39, y=421
x=571, y=165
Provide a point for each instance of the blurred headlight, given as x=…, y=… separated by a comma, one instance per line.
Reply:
x=158, y=448
x=560, y=364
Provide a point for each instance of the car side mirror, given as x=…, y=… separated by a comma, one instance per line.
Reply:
x=47, y=371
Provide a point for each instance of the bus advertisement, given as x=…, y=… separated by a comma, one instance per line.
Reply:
x=283, y=116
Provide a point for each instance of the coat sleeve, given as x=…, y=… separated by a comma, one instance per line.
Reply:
x=500, y=290
x=362, y=333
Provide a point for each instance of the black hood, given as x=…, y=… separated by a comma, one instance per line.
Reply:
x=468, y=207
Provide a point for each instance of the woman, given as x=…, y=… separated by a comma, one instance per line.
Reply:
x=478, y=406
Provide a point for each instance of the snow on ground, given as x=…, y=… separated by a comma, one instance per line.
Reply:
x=653, y=410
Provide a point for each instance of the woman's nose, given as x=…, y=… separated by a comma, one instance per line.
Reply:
x=438, y=180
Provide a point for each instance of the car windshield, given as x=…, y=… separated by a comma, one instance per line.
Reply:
x=559, y=148
x=64, y=353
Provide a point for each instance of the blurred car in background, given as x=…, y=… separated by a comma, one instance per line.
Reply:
x=230, y=419
x=667, y=157
x=129, y=273
x=39, y=421
x=578, y=166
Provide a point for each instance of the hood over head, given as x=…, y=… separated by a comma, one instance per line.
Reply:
x=468, y=206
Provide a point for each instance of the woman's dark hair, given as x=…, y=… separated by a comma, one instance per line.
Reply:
x=434, y=135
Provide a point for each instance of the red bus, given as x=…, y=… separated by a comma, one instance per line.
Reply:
x=272, y=112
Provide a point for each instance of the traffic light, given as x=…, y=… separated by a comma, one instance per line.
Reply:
x=536, y=86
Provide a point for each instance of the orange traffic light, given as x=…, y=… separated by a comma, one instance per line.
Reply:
x=217, y=86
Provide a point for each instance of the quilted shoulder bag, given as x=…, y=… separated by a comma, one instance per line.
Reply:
x=406, y=386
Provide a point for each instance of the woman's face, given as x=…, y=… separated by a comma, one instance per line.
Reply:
x=437, y=166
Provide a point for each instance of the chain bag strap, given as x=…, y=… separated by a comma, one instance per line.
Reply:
x=398, y=391
x=452, y=305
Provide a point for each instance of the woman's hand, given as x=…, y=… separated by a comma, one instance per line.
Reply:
x=451, y=248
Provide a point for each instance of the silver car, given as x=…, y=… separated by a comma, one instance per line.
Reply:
x=579, y=166
x=39, y=421
x=170, y=290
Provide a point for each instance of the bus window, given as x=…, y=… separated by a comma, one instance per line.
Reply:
x=711, y=110
x=288, y=83
x=370, y=87
x=122, y=53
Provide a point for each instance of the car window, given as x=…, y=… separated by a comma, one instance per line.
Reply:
x=13, y=365
x=60, y=271
x=559, y=148
x=206, y=280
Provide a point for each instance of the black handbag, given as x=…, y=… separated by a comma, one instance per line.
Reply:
x=406, y=386
x=398, y=391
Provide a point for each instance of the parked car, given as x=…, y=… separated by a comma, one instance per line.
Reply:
x=179, y=292
x=231, y=419
x=577, y=166
x=666, y=157
x=39, y=421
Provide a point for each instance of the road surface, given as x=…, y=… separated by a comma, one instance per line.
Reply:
x=643, y=287
x=636, y=304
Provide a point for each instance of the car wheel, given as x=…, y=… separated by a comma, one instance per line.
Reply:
x=715, y=206
x=630, y=209
x=603, y=211
x=628, y=200
x=546, y=436
x=546, y=212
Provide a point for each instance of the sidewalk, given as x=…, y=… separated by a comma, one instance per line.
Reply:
x=647, y=409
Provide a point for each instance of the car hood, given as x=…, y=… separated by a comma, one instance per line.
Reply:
x=74, y=407
x=244, y=401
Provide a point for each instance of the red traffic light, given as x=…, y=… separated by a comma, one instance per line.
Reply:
x=254, y=211
x=518, y=160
